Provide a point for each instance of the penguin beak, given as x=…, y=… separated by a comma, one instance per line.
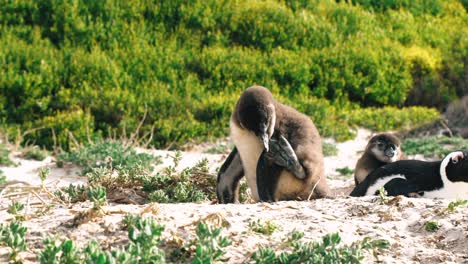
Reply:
x=262, y=134
x=265, y=140
x=389, y=153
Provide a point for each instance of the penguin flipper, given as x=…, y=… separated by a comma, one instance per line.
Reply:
x=268, y=173
x=394, y=187
x=359, y=190
x=284, y=156
x=229, y=175
x=400, y=186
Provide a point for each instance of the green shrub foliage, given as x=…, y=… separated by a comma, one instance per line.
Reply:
x=5, y=156
x=82, y=68
x=107, y=153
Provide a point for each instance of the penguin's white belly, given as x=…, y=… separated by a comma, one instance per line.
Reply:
x=455, y=190
x=250, y=148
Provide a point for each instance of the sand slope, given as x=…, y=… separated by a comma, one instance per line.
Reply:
x=401, y=220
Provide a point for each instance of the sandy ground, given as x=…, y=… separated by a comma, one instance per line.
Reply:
x=400, y=221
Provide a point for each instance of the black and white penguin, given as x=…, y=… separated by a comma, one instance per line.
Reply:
x=380, y=150
x=259, y=123
x=229, y=176
x=447, y=178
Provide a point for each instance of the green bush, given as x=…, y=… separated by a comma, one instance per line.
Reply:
x=79, y=69
x=331, y=121
x=433, y=147
x=190, y=185
x=107, y=153
x=110, y=167
x=417, y=7
x=35, y=153
x=65, y=129
x=391, y=118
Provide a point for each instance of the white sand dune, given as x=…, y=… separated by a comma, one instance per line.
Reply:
x=401, y=221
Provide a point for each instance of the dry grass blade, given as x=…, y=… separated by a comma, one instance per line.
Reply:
x=125, y=196
x=274, y=207
x=83, y=217
x=10, y=183
x=152, y=208
x=215, y=219
x=37, y=197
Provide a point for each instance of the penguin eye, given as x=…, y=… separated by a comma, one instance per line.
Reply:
x=380, y=144
x=454, y=161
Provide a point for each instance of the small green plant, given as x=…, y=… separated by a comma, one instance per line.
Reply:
x=97, y=195
x=190, y=185
x=94, y=254
x=266, y=227
x=59, y=252
x=345, y=171
x=167, y=186
x=14, y=208
x=129, y=220
x=327, y=251
x=5, y=156
x=43, y=175
x=294, y=236
x=3, y=179
x=209, y=245
x=159, y=196
x=118, y=176
x=144, y=235
x=452, y=206
x=243, y=194
x=329, y=149
x=431, y=226
x=107, y=153
x=72, y=193
x=35, y=153
x=13, y=236
x=383, y=198
x=176, y=158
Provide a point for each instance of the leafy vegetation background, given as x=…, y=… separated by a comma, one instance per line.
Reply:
x=93, y=68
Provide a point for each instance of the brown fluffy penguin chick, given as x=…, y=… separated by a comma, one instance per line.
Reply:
x=382, y=149
x=256, y=117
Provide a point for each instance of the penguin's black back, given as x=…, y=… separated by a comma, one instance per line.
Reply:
x=420, y=176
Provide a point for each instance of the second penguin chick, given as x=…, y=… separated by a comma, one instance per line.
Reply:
x=382, y=149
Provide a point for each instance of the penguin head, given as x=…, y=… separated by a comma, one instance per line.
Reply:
x=385, y=147
x=255, y=111
x=456, y=167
